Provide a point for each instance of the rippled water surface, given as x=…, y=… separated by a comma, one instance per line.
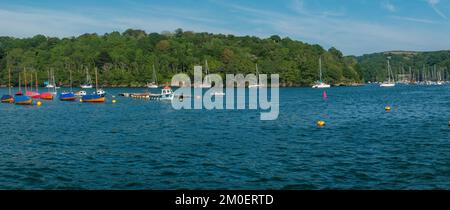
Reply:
x=136, y=144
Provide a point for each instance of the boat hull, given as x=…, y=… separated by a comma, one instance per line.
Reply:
x=86, y=86
x=67, y=97
x=93, y=99
x=387, y=85
x=47, y=96
x=321, y=86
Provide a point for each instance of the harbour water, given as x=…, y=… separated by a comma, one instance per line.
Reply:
x=138, y=144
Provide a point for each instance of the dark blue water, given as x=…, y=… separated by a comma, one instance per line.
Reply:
x=136, y=144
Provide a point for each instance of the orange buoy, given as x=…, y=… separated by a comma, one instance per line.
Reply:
x=320, y=123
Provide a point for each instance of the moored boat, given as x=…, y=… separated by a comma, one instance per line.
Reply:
x=23, y=100
x=88, y=83
x=154, y=83
x=8, y=98
x=166, y=94
x=19, y=92
x=390, y=82
x=67, y=96
x=47, y=96
x=320, y=84
x=95, y=97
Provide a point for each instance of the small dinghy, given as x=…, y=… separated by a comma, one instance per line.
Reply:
x=23, y=100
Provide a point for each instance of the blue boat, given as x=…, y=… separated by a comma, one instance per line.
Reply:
x=97, y=97
x=23, y=100
x=67, y=96
x=93, y=98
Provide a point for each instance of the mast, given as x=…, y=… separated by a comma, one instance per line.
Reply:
x=20, y=83
x=96, y=80
x=155, y=80
x=54, y=81
x=88, y=77
x=206, y=72
x=70, y=79
x=31, y=81
x=9, y=80
x=36, y=79
x=25, y=79
x=389, y=69
x=257, y=74
x=320, y=69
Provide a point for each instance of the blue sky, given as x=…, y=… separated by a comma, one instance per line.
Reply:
x=353, y=26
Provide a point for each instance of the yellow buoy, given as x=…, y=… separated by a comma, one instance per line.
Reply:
x=448, y=123
x=81, y=100
x=320, y=123
x=387, y=108
x=114, y=101
x=39, y=103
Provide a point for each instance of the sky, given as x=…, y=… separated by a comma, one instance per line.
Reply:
x=355, y=27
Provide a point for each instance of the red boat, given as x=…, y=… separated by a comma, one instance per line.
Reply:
x=47, y=96
x=32, y=94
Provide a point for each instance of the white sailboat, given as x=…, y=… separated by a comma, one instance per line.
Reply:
x=320, y=84
x=207, y=83
x=154, y=83
x=389, y=83
x=257, y=85
x=88, y=83
x=54, y=92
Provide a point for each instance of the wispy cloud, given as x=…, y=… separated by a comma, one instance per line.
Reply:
x=389, y=6
x=412, y=19
x=434, y=5
x=353, y=36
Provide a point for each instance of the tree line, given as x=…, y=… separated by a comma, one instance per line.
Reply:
x=126, y=59
x=417, y=65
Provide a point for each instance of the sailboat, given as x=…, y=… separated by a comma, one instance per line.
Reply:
x=88, y=83
x=19, y=92
x=8, y=98
x=68, y=96
x=320, y=83
x=97, y=97
x=257, y=79
x=207, y=83
x=51, y=85
x=31, y=93
x=154, y=83
x=388, y=83
x=21, y=99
